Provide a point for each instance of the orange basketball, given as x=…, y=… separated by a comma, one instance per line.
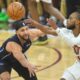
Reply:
x=16, y=10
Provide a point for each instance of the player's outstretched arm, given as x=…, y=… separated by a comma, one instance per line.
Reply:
x=34, y=34
x=16, y=51
x=43, y=28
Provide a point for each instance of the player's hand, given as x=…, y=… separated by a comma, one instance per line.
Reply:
x=31, y=69
x=52, y=23
x=31, y=22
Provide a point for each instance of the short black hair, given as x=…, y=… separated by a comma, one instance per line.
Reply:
x=18, y=24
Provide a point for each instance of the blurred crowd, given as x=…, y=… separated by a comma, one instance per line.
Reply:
x=40, y=10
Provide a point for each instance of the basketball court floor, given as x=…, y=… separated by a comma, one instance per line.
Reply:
x=52, y=58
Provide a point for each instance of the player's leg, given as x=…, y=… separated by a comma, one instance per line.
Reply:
x=32, y=6
x=23, y=72
x=5, y=76
x=67, y=76
x=5, y=71
x=53, y=11
x=72, y=73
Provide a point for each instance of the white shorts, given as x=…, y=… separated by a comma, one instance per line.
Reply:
x=73, y=72
x=47, y=1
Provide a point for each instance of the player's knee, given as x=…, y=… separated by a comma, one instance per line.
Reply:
x=5, y=77
x=62, y=79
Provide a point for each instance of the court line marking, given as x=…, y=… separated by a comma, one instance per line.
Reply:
x=54, y=63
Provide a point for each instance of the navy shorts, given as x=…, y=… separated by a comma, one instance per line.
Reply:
x=23, y=72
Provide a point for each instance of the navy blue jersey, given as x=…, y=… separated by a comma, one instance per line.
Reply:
x=4, y=54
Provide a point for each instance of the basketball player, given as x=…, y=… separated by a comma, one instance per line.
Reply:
x=12, y=53
x=72, y=35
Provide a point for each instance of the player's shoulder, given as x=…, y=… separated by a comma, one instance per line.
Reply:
x=63, y=31
x=13, y=45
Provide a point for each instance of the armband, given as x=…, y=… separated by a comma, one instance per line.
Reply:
x=65, y=22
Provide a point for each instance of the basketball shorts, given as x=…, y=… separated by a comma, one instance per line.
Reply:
x=23, y=72
x=73, y=72
x=47, y=1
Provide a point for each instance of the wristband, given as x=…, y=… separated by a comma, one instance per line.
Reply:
x=65, y=22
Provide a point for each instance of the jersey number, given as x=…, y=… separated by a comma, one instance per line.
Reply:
x=76, y=49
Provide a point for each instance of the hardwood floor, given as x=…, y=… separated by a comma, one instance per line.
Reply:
x=53, y=58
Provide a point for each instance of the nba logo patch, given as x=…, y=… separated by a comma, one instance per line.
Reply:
x=23, y=24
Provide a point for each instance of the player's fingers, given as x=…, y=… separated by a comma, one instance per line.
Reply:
x=37, y=65
x=52, y=23
x=32, y=73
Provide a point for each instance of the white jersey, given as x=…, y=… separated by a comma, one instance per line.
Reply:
x=45, y=1
x=73, y=41
x=73, y=72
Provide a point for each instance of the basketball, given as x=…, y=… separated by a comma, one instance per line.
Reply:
x=16, y=10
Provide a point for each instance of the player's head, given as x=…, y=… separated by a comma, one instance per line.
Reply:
x=73, y=21
x=21, y=29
